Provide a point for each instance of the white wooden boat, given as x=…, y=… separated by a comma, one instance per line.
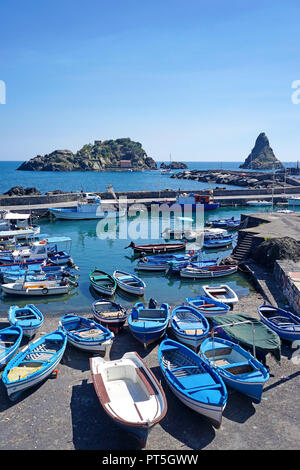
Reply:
x=208, y=272
x=43, y=288
x=129, y=282
x=86, y=210
x=222, y=293
x=259, y=203
x=17, y=225
x=129, y=393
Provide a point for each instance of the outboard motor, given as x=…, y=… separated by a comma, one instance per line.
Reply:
x=153, y=303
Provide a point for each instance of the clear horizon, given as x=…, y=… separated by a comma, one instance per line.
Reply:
x=200, y=81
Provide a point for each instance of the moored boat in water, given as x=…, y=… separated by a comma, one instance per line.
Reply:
x=102, y=282
x=208, y=272
x=129, y=282
x=157, y=247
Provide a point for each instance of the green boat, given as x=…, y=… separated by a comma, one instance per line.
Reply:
x=102, y=282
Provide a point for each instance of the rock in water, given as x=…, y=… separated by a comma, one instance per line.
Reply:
x=262, y=156
x=119, y=154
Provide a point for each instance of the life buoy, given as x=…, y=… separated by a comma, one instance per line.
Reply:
x=42, y=242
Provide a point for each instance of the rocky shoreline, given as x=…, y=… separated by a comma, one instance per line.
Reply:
x=255, y=180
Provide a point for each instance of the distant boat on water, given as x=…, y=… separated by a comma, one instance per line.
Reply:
x=88, y=210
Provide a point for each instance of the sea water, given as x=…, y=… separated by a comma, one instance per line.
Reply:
x=88, y=251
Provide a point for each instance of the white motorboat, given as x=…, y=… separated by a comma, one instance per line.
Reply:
x=259, y=203
x=16, y=225
x=43, y=288
x=89, y=210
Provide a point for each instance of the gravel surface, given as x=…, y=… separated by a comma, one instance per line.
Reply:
x=64, y=413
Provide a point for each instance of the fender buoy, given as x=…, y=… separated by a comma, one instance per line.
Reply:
x=45, y=291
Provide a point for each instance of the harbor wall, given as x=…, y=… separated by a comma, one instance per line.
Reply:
x=69, y=197
x=287, y=274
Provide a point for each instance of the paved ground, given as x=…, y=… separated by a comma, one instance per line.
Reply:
x=64, y=413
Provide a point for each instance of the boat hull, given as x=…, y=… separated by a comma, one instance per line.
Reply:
x=137, y=387
x=30, y=325
x=287, y=331
x=114, y=322
x=7, y=289
x=15, y=388
x=74, y=215
x=242, y=373
x=6, y=351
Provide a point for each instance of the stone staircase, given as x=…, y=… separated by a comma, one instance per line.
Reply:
x=243, y=248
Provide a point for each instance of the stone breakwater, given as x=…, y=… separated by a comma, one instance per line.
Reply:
x=255, y=180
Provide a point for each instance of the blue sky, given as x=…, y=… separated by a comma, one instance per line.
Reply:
x=196, y=79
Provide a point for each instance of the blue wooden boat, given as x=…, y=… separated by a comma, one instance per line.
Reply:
x=34, y=363
x=284, y=323
x=31, y=277
x=249, y=332
x=174, y=267
x=148, y=325
x=229, y=224
x=208, y=306
x=161, y=262
x=10, y=339
x=21, y=268
x=85, y=334
x=29, y=318
x=189, y=325
x=192, y=380
x=221, y=242
x=237, y=367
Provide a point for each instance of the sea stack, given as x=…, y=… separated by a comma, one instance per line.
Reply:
x=262, y=156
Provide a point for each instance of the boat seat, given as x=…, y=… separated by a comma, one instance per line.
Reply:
x=170, y=348
x=239, y=368
x=204, y=380
x=99, y=278
x=124, y=278
x=150, y=319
